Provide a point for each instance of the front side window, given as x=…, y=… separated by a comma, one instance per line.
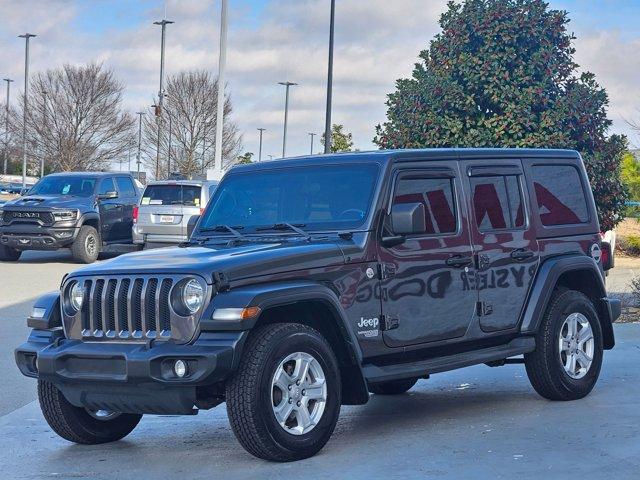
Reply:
x=325, y=197
x=436, y=194
x=561, y=197
x=497, y=202
x=60, y=185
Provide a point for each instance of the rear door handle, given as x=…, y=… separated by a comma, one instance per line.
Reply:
x=459, y=261
x=521, y=254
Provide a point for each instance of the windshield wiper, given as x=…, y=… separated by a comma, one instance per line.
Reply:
x=225, y=228
x=287, y=226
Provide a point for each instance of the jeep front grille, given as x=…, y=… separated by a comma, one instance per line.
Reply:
x=128, y=308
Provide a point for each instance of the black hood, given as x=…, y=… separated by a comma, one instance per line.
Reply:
x=43, y=202
x=236, y=262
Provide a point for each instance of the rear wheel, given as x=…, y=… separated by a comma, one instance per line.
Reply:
x=86, y=247
x=284, y=401
x=568, y=356
x=80, y=425
x=394, y=387
x=8, y=254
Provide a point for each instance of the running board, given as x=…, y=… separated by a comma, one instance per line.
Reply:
x=422, y=368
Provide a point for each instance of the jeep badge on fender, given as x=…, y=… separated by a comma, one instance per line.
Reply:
x=310, y=283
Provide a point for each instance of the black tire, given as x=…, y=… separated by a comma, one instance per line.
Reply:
x=8, y=254
x=394, y=387
x=76, y=424
x=249, y=393
x=544, y=366
x=80, y=249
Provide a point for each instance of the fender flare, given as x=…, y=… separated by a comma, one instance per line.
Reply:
x=269, y=295
x=51, y=317
x=85, y=217
x=544, y=284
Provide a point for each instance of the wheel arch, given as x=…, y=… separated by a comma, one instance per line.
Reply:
x=574, y=272
x=308, y=303
x=90, y=219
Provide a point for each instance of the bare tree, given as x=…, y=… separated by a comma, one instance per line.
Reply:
x=190, y=111
x=75, y=119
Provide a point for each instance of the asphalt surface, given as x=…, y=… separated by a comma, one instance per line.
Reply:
x=474, y=423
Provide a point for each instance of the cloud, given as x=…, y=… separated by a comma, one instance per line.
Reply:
x=377, y=42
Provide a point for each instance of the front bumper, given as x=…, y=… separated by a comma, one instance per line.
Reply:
x=129, y=377
x=25, y=237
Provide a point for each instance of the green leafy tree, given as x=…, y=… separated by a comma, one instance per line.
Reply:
x=631, y=175
x=341, y=141
x=501, y=74
x=245, y=158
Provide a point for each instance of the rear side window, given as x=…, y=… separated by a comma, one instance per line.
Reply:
x=560, y=195
x=106, y=186
x=125, y=185
x=436, y=194
x=188, y=195
x=497, y=202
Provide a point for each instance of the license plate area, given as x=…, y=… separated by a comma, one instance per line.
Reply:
x=167, y=218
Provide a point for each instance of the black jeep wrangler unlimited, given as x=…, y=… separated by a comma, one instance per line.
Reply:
x=87, y=212
x=309, y=283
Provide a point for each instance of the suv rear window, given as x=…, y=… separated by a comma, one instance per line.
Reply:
x=187, y=195
x=560, y=195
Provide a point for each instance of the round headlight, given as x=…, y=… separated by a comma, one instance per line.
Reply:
x=76, y=296
x=193, y=295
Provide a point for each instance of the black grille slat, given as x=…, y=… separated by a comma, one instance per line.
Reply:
x=123, y=316
x=150, y=307
x=85, y=313
x=110, y=314
x=165, y=313
x=136, y=304
x=96, y=301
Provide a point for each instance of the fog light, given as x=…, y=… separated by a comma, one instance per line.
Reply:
x=180, y=368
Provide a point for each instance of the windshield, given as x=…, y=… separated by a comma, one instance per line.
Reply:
x=188, y=195
x=58, y=185
x=326, y=197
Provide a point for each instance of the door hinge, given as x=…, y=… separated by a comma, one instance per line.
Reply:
x=484, y=309
x=386, y=270
x=387, y=323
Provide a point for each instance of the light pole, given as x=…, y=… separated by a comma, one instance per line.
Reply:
x=286, y=115
x=6, y=126
x=312, y=135
x=222, y=63
x=163, y=23
x=139, y=142
x=261, y=130
x=327, y=124
x=26, y=37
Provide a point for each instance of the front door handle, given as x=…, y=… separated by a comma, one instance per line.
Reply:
x=521, y=254
x=458, y=261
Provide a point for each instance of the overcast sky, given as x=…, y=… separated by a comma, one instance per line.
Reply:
x=377, y=41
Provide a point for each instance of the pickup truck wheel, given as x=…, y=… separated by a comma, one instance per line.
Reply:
x=394, y=387
x=79, y=425
x=8, y=254
x=86, y=247
x=284, y=400
x=568, y=356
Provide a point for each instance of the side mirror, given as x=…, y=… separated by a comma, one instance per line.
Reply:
x=191, y=225
x=108, y=195
x=408, y=218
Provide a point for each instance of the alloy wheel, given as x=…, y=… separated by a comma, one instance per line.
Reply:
x=576, y=345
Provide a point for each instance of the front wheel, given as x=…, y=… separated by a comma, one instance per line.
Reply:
x=566, y=362
x=80, y=425
x=86, y=246
x=284, y=401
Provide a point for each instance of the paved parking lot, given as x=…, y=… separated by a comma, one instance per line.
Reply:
x=475, y=423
